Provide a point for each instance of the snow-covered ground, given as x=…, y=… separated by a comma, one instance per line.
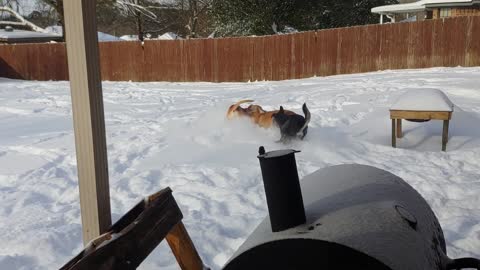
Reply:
x=175, y=134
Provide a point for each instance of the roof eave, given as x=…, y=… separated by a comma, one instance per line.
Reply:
x=439, y=5
x=419, y=6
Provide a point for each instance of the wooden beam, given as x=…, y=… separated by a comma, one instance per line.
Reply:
x=399, y=128
x=88, y=116
x=445, y=135
x=183, y=248
x=394, y=141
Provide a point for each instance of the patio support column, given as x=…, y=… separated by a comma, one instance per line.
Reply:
x=381, y=18
x=88, y=116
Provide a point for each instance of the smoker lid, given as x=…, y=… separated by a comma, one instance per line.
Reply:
x=278, y=153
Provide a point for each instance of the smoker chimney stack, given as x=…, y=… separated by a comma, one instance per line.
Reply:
x=282, y=189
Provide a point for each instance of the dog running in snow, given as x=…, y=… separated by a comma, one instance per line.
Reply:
x=291, y=125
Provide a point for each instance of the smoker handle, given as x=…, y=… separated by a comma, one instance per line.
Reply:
x=464, y=263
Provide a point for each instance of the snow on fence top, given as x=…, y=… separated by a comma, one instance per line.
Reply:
x=423, y=99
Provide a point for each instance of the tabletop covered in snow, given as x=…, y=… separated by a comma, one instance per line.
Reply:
x=423, y=99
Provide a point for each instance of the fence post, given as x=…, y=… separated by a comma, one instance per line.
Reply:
x=88, y=116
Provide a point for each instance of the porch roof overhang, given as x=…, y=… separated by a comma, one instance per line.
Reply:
x=399, y=8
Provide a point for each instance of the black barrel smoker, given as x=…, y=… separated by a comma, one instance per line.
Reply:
x=355, y=217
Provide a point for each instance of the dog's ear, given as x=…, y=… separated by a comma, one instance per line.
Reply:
x=281, y=110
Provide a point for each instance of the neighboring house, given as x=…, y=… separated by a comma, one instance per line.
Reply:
x=18, y=30
x=428, y=9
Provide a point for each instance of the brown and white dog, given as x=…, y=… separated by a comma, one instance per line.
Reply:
x=255, y=112
x=290, y=123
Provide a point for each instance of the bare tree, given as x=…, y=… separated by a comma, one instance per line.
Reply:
x=43, y=14
x=13, y=4
x=137, y=9
x=57, y=6
x=194, y=13
x=19, y=20
x=185, y=17
x=157, y=14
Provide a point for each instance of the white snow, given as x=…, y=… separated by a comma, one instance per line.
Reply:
x=107, y=37
x=55, y=29
x=175, y=134
x=165, y=36
x=423, y=99
x=129, y=37
x=169, y=36
x=101, y=36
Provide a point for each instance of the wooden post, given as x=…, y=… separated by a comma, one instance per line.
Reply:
x=183, y=248
x=394, y=142
x=445, y=134
x=399, y=128
x=88, y=116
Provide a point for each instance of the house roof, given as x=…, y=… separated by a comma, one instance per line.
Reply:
x=24, y=36
x=422, y=5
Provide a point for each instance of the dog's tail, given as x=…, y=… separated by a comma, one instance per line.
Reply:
x=234, y=107
x=302, y=132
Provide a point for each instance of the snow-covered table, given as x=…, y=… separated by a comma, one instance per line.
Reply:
x=421, y=105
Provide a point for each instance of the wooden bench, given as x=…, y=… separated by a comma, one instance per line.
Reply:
x=421, y=105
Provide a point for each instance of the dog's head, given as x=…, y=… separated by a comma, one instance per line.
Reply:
x=255, y=109
x=236, y=110
x=280, y=117
x=292, y=125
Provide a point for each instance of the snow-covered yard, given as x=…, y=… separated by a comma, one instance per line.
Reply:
x=175, y=134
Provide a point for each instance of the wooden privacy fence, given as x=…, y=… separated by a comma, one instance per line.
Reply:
x=430, y=43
